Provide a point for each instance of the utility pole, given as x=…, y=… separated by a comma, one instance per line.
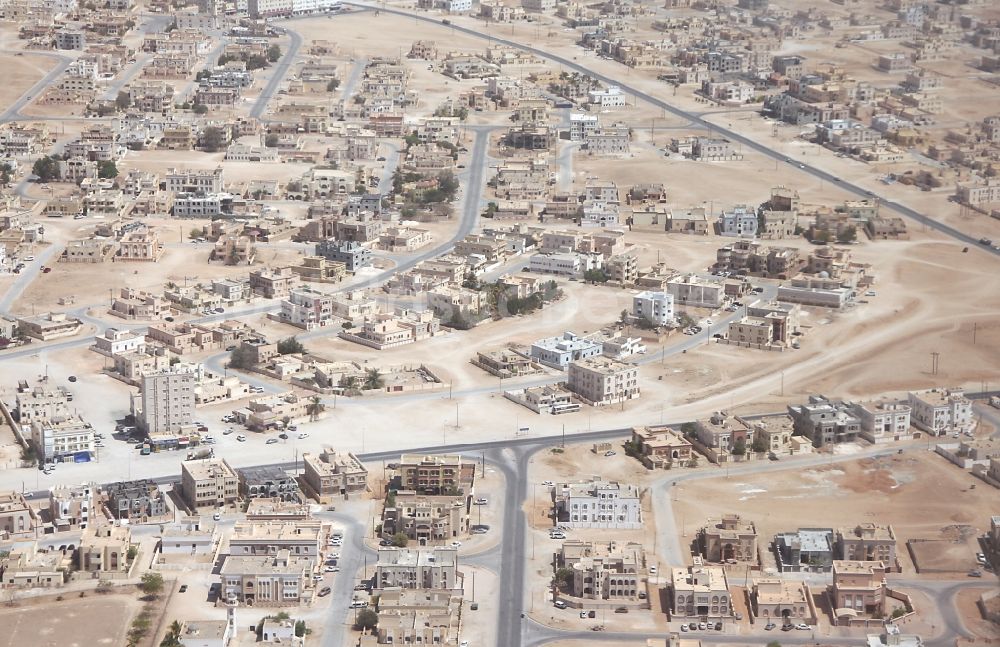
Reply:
x=934, y=362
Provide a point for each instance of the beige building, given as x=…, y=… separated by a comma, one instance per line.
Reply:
x=729, y=540
x=280, y=580
x=167, y=402
x=661, y=446
x=435, y=474
x=104, y=550
x=869, y=542
x=140, y=245
x=606, y=571
x=602, y=381
x=16, y=516
x=209, y=483
x=408, y=617
x=700, y=591
x=53, y=325
x=273, y=283
x=858, y=589
x=332, y=474
x=256, y=538
x=418, y=569
x=136, y=304
x=426, y=518
x=773, y=599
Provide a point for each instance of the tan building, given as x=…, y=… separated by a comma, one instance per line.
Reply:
x=209, y=483
x=16, y=516
x=505, y=363
x=661, y=446
x=274, y=283
x=104, y=550
x=52, y=325
x=858, y=589
x=700, y=591
x=167, y=402
x=135, y=304
x=435, y=474
x=408, y=617
x=332, y=475
x=602, y=381
x=729, y=540
x=87, y=250
x=140, y=245
x=317, y=269
x=606, y=571
x=869, y=542
x=773, y=599
x=426, y=518
x=299, y=538
x=279, y=580
x=418, y=569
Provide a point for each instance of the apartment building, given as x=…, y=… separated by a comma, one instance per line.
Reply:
x=655, y=307
x=307, y=308
x=352, y=254
x=741, y=221
x=692, y=290
x=601, y=381
x=62, y=439
x=418, y=569
x=661, y=446
x=597, y=504
x=825, y=421
x=435, y=473
x=868, y=542
x=426, y=518
x=941, y=411
x=332, y=475
x=729, y=540
x=884, y=420
x=104, y=551
x=279, y=580
x=415, y=617
x=612, y=571
x=209, y=483
x=167, y=402
x=137, y=500
x=194, y=180
x=256, y=538
x=560, y=352
x=41, y=402
x=267, y=482
x=700, y=591
x=273, y=283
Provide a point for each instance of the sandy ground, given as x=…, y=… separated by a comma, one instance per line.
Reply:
x=72, y=622
x=984, y=630
x=20, y=73
x=920, y=494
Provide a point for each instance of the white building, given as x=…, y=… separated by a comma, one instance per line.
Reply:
x=598, y=504
x=558, y=352
x=609, y=99
x=62, y=439
x=564, y=263
x=657, y=307
x=941, y=411
x=581, y=125
x=883, y=421
x=115, y=342
x=741, y=222
x=307, y=309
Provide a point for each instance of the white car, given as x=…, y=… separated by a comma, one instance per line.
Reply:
x=333, y=556
x=241, y=438
x=802, y=627
x=332, y=569
x=317, y=578
x=455, y=544
x=548, y=483
x=303, y=435
x=481, y=501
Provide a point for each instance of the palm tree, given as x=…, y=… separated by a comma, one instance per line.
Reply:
x=315, y=407
x=373, y=380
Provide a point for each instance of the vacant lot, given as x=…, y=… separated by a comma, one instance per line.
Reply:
x=72, y=622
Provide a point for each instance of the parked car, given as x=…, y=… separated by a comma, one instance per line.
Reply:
x=359, y=604
x=455, y=544
x=183, y=589
x=559, y=604
x=303, y=436
x=283, y=436
x=241, y=438
x=548, y=483
x=325, y=591
x=769, y=626
x=802, y=627
x=481, y=501
x=610, y=452
x=271, y=441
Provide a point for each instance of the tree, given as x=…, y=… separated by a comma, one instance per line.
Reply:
x=564, y=579
x=107, y=170
x=774, y=643
x=759, y=444
x=300, y=628
x=740, y=447
x=848, y=234
x=400, y=540
x=332, y=85
x=5, y=174
x=348, y=382
x=273, y=53
x=694, y=461
x=623, y=317
x=196, y=232
x=689, y=429
x=212, y=139
x=470, y=281
x=595, y=276
x=173, y=637
x=199, y=109
x=290, y=345
x=123, y=101
x=132, y=552
x=315, y=407
x=151, y=584
x=242, y=357
x=256, y=62
x=46, y=168
x=373, y=379
x=822, y=236
x=367, y=620
x=271, y=140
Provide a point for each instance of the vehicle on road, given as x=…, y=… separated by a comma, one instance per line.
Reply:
x=303, y=436
x=610, y=452
x=769, y=626
x=559, y=604
x=358, y=604
x=325, y=591
x=241, y=438
x=283, y=436
x=183, y=589
x=332, y=569
x=455, y=544
x=548, y=483
x=802, y=627
x=481, y=501
x=271, y=441
x=702, y=626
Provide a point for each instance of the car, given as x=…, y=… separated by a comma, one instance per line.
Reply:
x=769, y=626
x=718, y=626
x=325, y=591
x=621, y=610
x=227, y=431
x=283, y=436
x=610, y=452
x=787, y=627
x=241, y=438
x=384, y=542
x=333, y=556
x=652, y=570
x=481, y=501
x=318, y=577
x=220, y=310
x=559, y=604
x=217, y=516
x=480, y=530
x=361, y=587
x=46, y=270
x=455, y=544
x=684, y=627
x=583, y=614
x=464, y=643
x=985, y=241
x=557, y=535
x=293, y=428
x=692, y=626
x=183, y=589
x=718, y=335
x=802, y=165
x=702, y=626
x=358, y=604
x=708, y=322
x=271, y=441
x=71, y=378
x=330, y=568
x=28, y=259
x=168, y=319
x=548, y=483
x=303, y=436
x=975, y=573
x=758, y=290
x=803, y=627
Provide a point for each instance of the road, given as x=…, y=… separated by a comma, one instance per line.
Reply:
x=697, y=120
x=278, y=76
x=12, y=113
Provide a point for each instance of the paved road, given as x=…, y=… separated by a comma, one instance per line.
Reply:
x=12, y=113
x=694, y=118
x=278, y=76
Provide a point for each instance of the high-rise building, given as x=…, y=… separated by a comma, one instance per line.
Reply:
x=167, y=402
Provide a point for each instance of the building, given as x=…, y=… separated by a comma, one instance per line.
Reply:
x=655, y=307
x=267, y=482
x=136, y=501
x=415, y=617
x=418, y=569
x=612, y=571
x=300, y=538
x=825, y=421
x=868, y=542
x=434, y=473
x=135, y=304
x=332, y=475
x=279, y=580
x=352, y=254
x=692, y=290
x=17, y=517
x=307, y=308
x=741, y=221
x=167, y=402
x=209, y=483
x=700, y=591
x=661, y=446
x=104, y=551
x=115, y=342
x=601, y=381
x=773, y=599
x=62, y=439
x=273, y=283
x=597, y=504
x=941, y=411
x=883, y=421
x=426, y=518
x=858, y=589
x=808, y=550
x=505, y=363
x=46, y=327
x=729, y=540
x=559, y=352
x=206, y=633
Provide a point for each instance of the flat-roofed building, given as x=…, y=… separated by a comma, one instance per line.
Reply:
x=700, y=591
x=435, y=473
x=505, y=363
x=418, y=569
x=559, y=352
x=868, y=542
x=597, y=504
x=941, y=411
x=267, y=482
x=808, y=550
x=299, y=538
x=332, y=474
x=773, y=599
x=729, y=540
x=53, y=325
x=16, y=516
x=62, y=439
x=655, y=307
x=408, y=617
x=209, y=483
x=613, y=571
x=602, y=381
x=279, y=580
x=883, y=421
x=858, y=589
x=167, y=401
x=104, y=550
x=661, y=446
x=425, y=518
x=273, y=283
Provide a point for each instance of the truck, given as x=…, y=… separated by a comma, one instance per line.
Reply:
x=201, y=453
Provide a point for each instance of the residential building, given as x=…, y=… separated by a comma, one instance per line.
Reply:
x=773, y=599
x=661, y=446
x=206, y=633
x=505, y=363
x=62, y=439
x=601, y=381
x=139, y=245
x=167, y=402
x=408, y=617
x=353, y=255
x=136, y=501
x=267, y=482
x=724, y=435
x=52, y=325
x=559, y=352
x=692, y=290
x=307, y=308
x=655, y=307
x=425, y=518
x=729, y=540
x=612, y=571
x=300, y=538
x=741, y=221
x=388, y=330
x=194, y=180
x=825, y=421
x=858, y=589
x=208, y=483
x=883, y=421
x=435, y=473
x=273, y=283
x=868, y=542
x=941, y=411
x=418, y=569
x=17, y=516
x=700, y=592
x=104, y=550
x=597, y=504
x=279, y=580
x=808, y=550
x=135, y=304
x=610, y=99
x=332, y=475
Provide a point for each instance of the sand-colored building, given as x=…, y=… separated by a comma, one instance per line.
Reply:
x=332, y=474
x=773, y=599
x=700, y=591
x=209, y=483
x=729, y=540
x=661, y=446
